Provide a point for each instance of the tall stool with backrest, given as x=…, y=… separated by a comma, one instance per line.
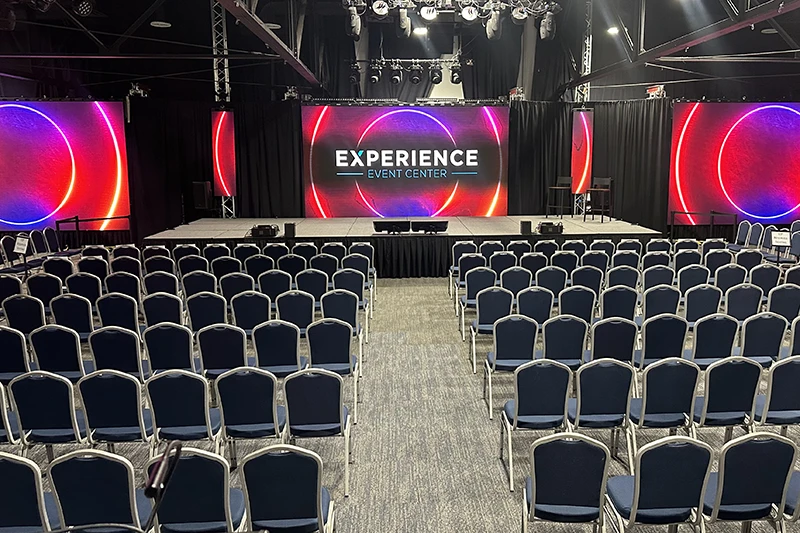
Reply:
x=600, y=190
x=556, y=194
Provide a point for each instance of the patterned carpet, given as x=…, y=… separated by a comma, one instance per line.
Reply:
x=426, y=454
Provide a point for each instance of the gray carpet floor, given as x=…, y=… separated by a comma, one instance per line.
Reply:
x=425, y=451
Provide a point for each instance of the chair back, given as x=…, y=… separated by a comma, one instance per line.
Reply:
x=728, y=276
x=215, y=251
x=576, y=247
x=714, y=337
x=116, y=348
x=589, y=277
x=93, y=265
x=38, y=241
x=352, y=280
x=577, y=301
x=124, y=283
x=182, y=250
x=94, y=487
x=275, y=250
x=657, y=275
x=614, y=338
x=671, y=473
x=245, y=251
x=603, y=245
x=604, y=388
x=564, y=338
x=541, y=388
x=197, y=282
x=627, y=258
x=749, y=259
x=357, y=262
x=22, y=495
x=178, y=398
x=329, y=342
x=9, y=286
x=467, y=262
x=659, y=245
x=127, y=264
x=222, y=266
x=516, y=279
x=623, y=276
x=341, y=304
x=168, y=346
x=296, y=307
x=785, y=301
x=743, y=301
x=552, y=278
x=714, y=259
x=111, y=399
x=247, y=396
x=126, y=250
x=250, y=308
x=206, y=309
x=277, y=343
x=741, y=233
x=199, y=492
x=56, y=349
x=493, y=304
x=535, y=303
x=633, y=245
x=298, y=497
x=569, y=470
x=692, y=276
x=783, y=394
x=306, y=250
x=731, y=386
x=479, y=278
x=235, y=283
x=762, y=335
x=519, y=248
x=365, y=249
x=566, y=260
x=314, y=282
x=161, y=282
x=273, y=283
x=23, y=313
x=192, y=263
x=515, y=338
x=15, y=353
x=618, y=301
x=255, y=265
x=460, y=248
x=596, y=258
x=765, y=276
x=155, y=251
x=314, y=398
x=222, y=347
x=501, y=261
x=738, y=483
x=336, y=249
x=533, y=262
x=663, y=336
x=45, y=287
x=162, y=307
x=661, y=299
x=29, y=392
x=325, y=263
x=548, y=248
x=489, y=248
x=51, y=237
x=701, y=301
x=118, y=310
x=684, y=258
x=74, y=312
x=794, y=341
x=711, y=245
x=793, y=275
x=651, y=259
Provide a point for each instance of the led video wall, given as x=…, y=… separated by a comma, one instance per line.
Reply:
x=582, y=146
x=740, y=158
x=224, y=153
x=62, y=159
x=405, y=161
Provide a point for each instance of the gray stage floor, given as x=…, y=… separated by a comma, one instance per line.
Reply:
x=218, y=229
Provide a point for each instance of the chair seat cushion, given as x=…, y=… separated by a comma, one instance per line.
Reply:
x=655, y=420
x=343, y=369
x=125, y=433
x=778, y=418
x=532, y=421
x=482, y=329
x=52, y=517
x=505, y=365
x=214, y=373
x=637, y=359
x=620, y=491
x=237, y=513
x=192, y=432
x=593, y=421
x=722, y=418
x=254, y=431
x=319, y=430
x=297, y=525
x=6, y=377
x=281, y=371
x=560, y=513
x=471, y=303
x=736, y=512
x=793, y=493
x=58, y=436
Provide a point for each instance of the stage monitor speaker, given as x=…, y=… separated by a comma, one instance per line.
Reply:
x=201, y=194
x=525, y=227
x=289, y=230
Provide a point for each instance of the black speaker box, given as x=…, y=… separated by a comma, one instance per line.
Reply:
x=201, y=194
x=525, y=227
x=288, y=230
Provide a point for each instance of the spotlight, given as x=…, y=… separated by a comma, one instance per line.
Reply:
x=494, y=26
x=519, y=15
x=428, y=13
x=403, y=23
x=469, y=14
x=547, y=27
x=420, y=31
x=355, y=74
x=8, y=18
x=415, y=75
x=353, y=28
x=436, y=74
x=455, y=74
x=83, y=8
x=397, y=74
x=613, y=30
x=380, y=8
x=375, y=71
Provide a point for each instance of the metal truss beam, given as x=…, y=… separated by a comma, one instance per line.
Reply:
x=730, y=8
x=788, y=39
x=630, y=49
x=138, y=22
x=755, y=15
x=582, y=91
x=100, y=44
x=260, y=30
x=219, y=41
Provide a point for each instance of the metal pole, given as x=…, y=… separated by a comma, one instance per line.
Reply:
x=222, y=86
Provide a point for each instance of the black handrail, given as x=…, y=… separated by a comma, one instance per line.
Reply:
x=77, y=221
x=711, y=214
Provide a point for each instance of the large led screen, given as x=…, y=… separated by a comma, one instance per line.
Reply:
x=405, y=161
x=224, y=153
x=582, y=145
x=62, y=159
x=738, y=158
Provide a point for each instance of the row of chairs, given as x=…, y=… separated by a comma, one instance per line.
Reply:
x=673, y=483
x=606, y=399
x=282, y=489
x=42, y=244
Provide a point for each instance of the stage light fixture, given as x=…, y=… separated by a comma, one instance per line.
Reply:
x=428, y=13
x=375, y=71
x=469, y=14
x=380, y=8
x=353, y=28
x=436, y=73
x=83, y=8
x=403, y=23
x=397, y=73
x=494, y=26
x=355, y=74
x=8, y=18
x=419, y=31
x=519, y=15
x=415, y=73
x=613, y=30
x=547, y=27
x=455, y=74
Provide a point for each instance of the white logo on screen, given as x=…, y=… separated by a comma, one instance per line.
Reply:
x=406, y=158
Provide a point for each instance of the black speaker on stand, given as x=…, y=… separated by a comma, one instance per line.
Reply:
x=289, y=230
x=525, y=227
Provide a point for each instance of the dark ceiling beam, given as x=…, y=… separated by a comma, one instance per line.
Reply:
x=755, y=15
x=80, y=25
x=729, y=59
x=624, y=34
x=260, y=30
x=148, y=57
x=136, y=24
x=777, y=26
x=731, y=9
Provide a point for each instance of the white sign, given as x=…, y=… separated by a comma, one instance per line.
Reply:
x=781, y=238
x=21, y=245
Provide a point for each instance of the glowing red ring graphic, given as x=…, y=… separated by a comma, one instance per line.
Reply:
x=118, y=187
x=72, y=158
x=588, y=151
x=216, y=153
x=678, y=162
x=719, y=162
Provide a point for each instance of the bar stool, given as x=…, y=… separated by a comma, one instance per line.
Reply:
x=600, y=190
x=563, y=185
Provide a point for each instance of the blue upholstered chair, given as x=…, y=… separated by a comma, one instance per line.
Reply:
x=116, y=348
x=222, y=348
x=492, y=304
x=26, y=507
x=169, y=347
x=564, y=340
x=277, y=345
x=514, y=344
x=249, y=309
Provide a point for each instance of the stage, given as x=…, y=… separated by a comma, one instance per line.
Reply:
x=406, y=255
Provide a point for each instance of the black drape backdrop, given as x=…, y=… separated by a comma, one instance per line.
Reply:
x=490, y=67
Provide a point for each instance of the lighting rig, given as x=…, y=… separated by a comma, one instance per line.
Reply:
x=491, y=13
x=413, y=68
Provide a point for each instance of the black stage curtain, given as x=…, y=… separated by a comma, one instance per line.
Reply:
x=495, y=64
x=539, y=151
x=384, y=42
x=632, y=146
x=269, y=149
